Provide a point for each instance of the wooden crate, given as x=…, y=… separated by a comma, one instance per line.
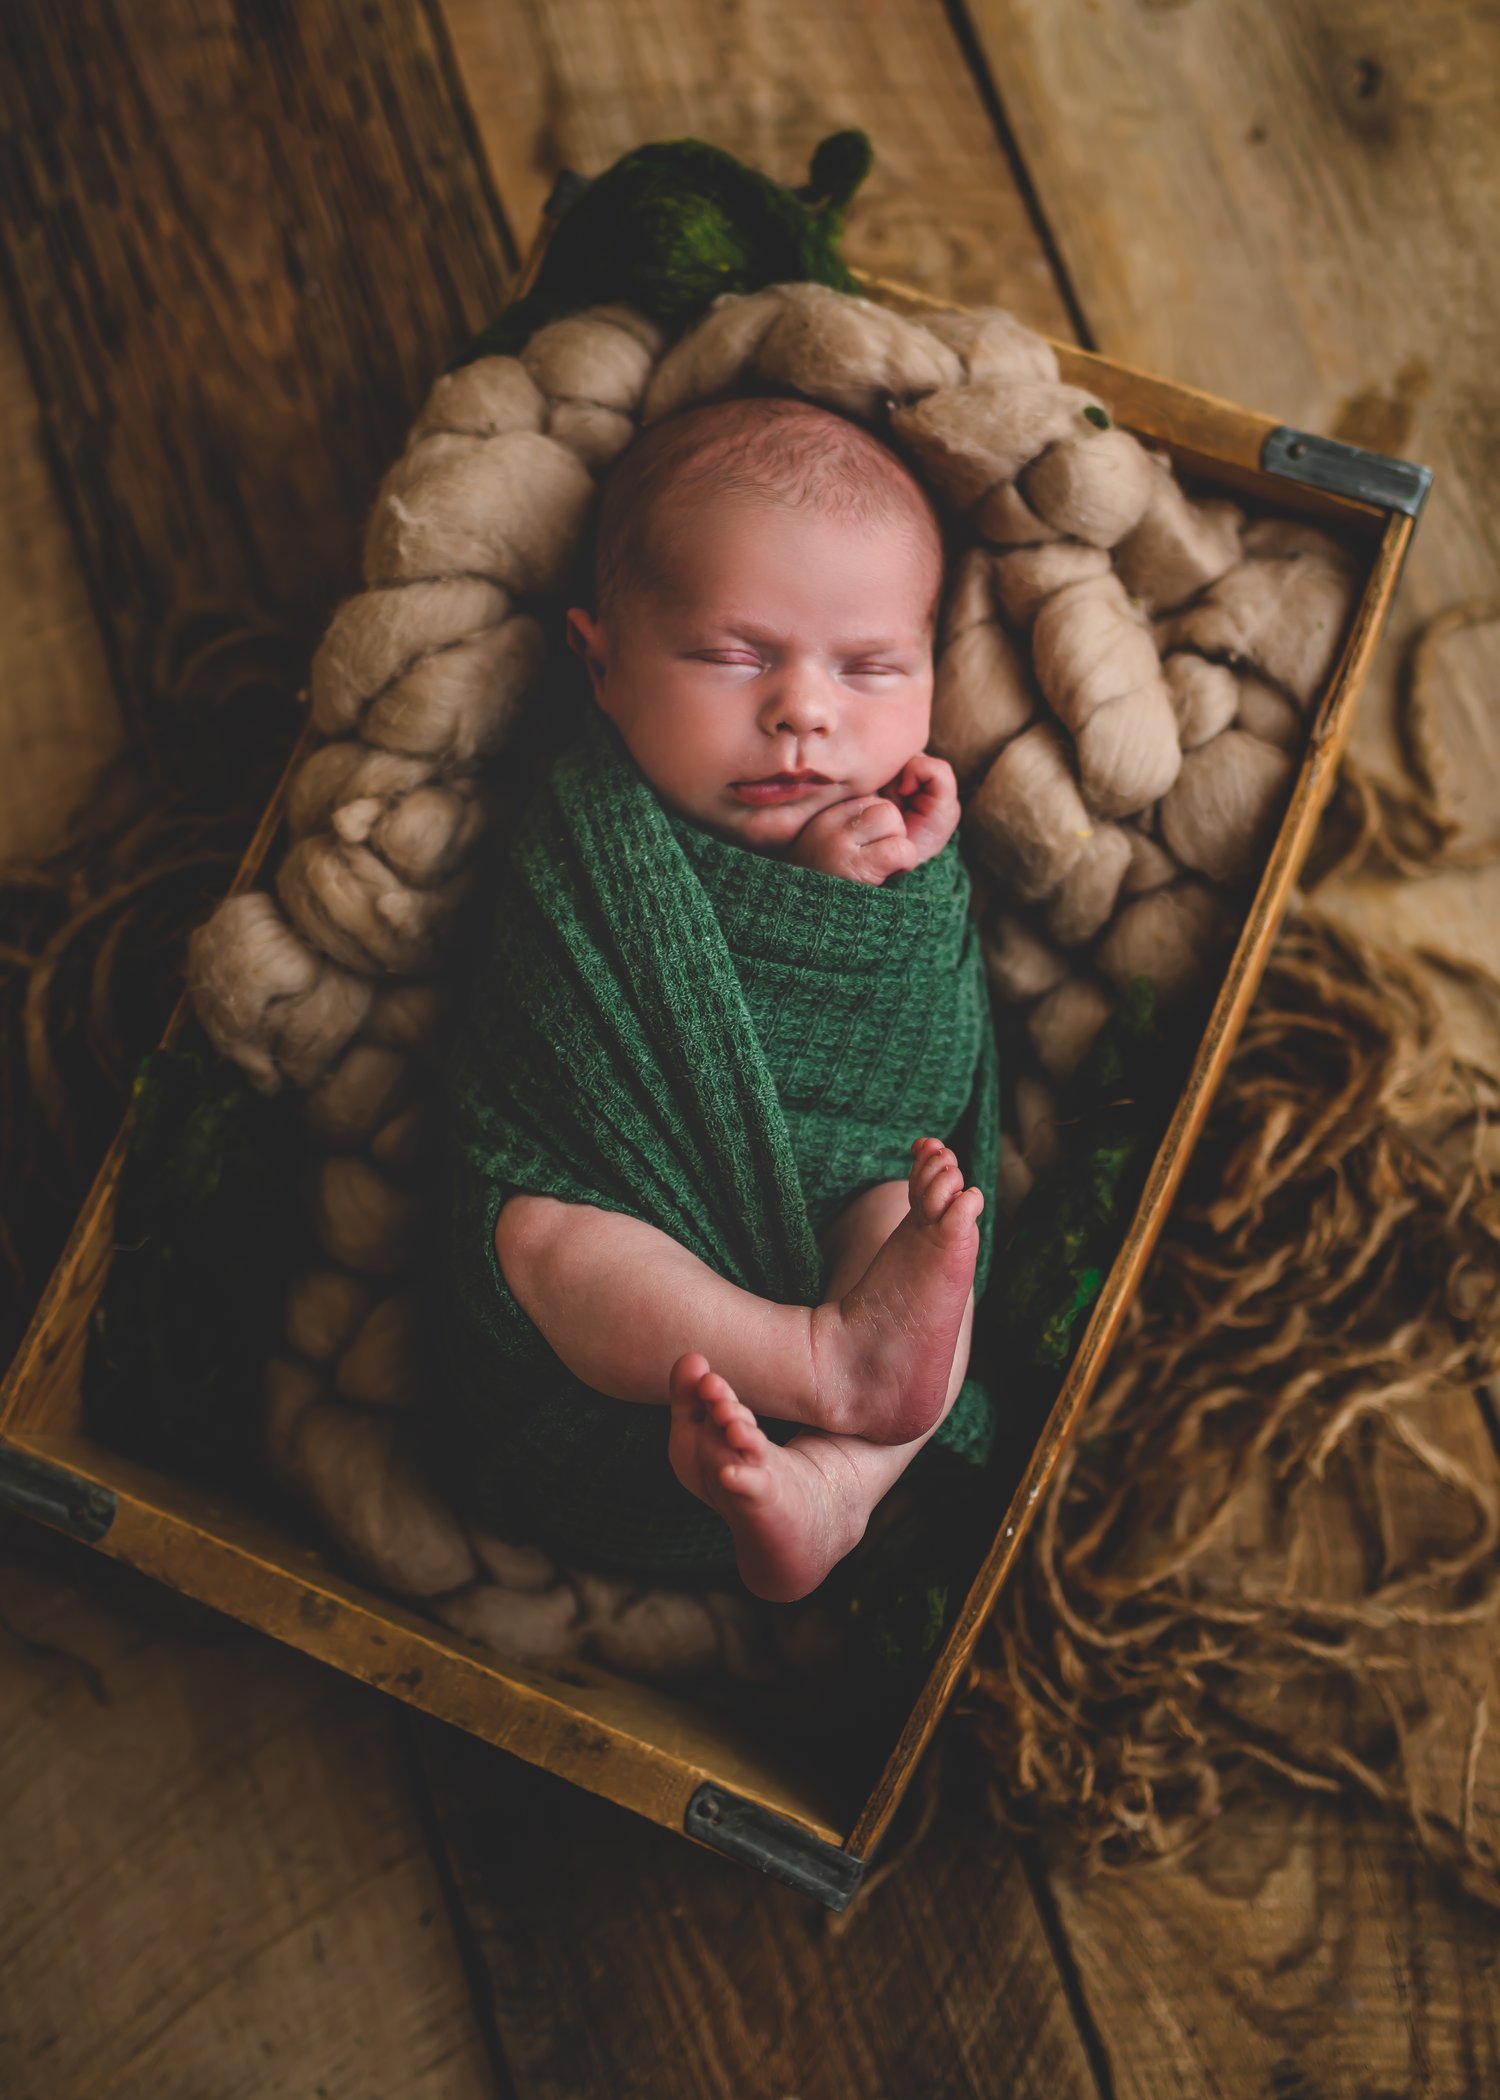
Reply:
x=810, y=1817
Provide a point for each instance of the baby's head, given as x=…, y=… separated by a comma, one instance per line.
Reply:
x=767, y=577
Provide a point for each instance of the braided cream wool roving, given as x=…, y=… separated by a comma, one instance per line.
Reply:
x=1124, y=681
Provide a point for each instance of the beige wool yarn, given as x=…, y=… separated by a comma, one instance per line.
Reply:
x=1172, y=935
x=600, y=358
x=508, y=508
x=1064, y=1022
x=1005, y=520
x=1281, y=613
x=968, y=439
x=1221, y=813
x=356, y=1095
x=351, y=904
x=1026, y=817
x=804, y=339
x=374, y=1502
x=1097, y=663
x=379, y=1364
x=1266, y=712
x=1179, y=546
x=982, y=696
x=993, y=344
x=1150, y=864
x=1123, y=684
x=1020, y=963
x=1085, y=898
x=267, y=998
x=486, y=399
x=1026, y=577
x=1205, y=696
x=1093, y=485
x=362, y=1220
x=323, y=1309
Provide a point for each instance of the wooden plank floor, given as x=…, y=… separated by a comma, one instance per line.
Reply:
x=237, y=242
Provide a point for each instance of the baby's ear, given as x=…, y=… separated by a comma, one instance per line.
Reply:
x=585, y=638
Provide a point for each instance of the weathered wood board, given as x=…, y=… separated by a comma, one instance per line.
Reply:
x=1324, y=1965
x=1284, y=203
x=626, y=1963
x=268, y=346
x=61, y=718
x=216, y=1878
x=1293, y=206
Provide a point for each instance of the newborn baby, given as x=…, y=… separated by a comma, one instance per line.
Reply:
x=767, y=579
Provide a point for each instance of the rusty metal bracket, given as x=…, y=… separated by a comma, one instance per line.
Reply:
x=39, y=1489
x=760, y=1838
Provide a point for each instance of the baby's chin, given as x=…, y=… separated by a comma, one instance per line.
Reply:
x=772, y=829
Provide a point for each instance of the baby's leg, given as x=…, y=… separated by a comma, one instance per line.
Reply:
x=794, y=1509
x=620, y=1302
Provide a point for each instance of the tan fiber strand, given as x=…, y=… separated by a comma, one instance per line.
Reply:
x=1300, y=1328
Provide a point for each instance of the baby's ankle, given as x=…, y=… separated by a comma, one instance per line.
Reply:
x=834, y=1402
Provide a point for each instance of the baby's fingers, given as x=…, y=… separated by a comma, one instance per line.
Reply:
x=874, y=818
x=933, y=816
x=886, y=856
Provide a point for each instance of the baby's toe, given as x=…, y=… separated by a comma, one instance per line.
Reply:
x=685, y=1377
x=746, y=1480
x=719, y=1398
x=935, y=1183
x=962, y=1214
x=745, y=1434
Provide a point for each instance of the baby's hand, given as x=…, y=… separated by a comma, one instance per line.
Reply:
x=926, y=793
x=863, y=838
x=872, y=836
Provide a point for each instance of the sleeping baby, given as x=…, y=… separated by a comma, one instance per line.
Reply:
x=723, y=1100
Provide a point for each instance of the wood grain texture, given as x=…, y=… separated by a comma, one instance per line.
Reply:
x=59, y=719
x=627, y=1962
x=1290, y=205
x=576, y=83
x=240, y=241
x=285, y=235
x=1300, y=1954
x=215, y=1878
x=1285, y=204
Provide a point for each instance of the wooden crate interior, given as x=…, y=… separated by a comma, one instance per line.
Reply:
x=841, y=1780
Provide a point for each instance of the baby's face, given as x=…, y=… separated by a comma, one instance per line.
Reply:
x=784, y=643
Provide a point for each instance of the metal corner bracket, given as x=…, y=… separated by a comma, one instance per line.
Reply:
x=1346, y=470
x=760, y=1838
x=39, y=1489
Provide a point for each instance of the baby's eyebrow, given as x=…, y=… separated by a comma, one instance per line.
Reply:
x=751, y=633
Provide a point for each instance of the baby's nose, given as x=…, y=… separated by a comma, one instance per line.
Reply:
x=796, y=701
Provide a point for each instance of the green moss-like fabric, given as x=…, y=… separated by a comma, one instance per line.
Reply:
x=671, y=225
x=666, y=1024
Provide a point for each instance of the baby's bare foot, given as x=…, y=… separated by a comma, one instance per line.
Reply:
x=882, y=1354
x=788, y=1516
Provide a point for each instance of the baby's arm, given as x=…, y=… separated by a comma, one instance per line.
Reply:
x=869, y=837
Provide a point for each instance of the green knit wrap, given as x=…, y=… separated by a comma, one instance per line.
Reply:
x=663, y=1023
